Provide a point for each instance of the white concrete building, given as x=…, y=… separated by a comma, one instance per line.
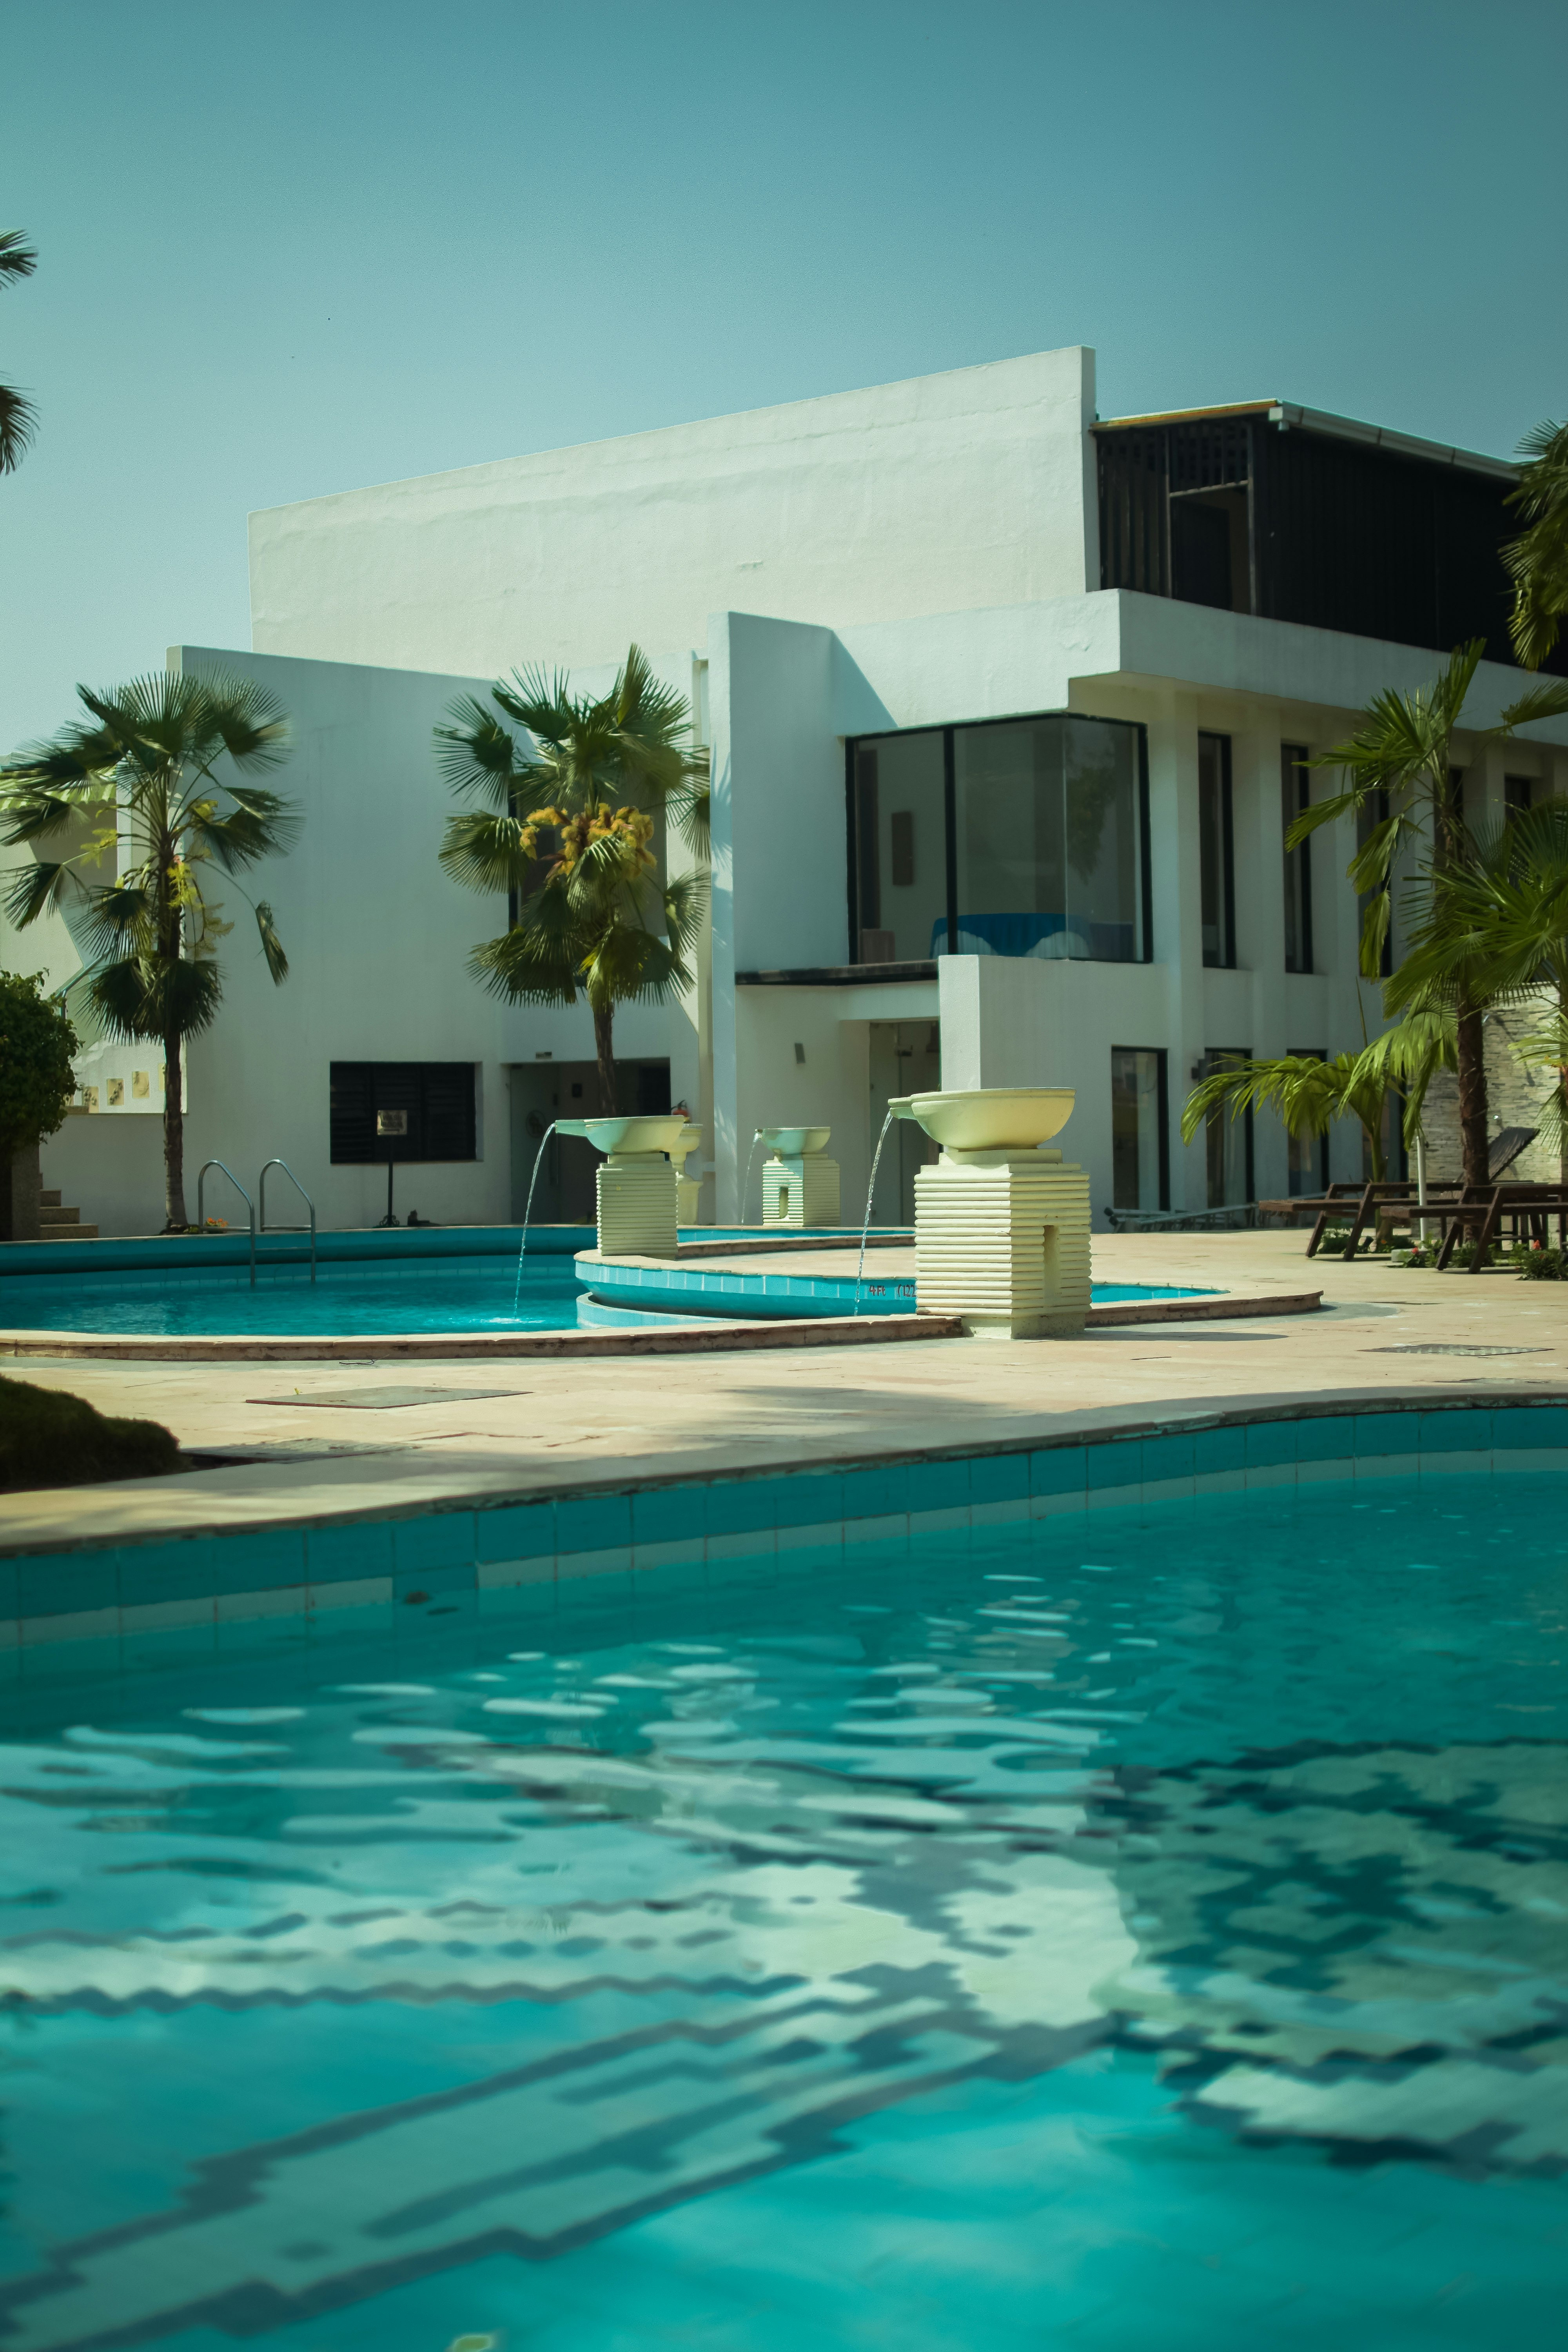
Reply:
x=1008, y=709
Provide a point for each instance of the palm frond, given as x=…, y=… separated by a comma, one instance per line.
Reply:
x=271, y=945
x=1538, y=559
x=487, y=852
x=34, y=890
x=137, y=996
x=18, y=427
x=17, y=257
x=477, y=754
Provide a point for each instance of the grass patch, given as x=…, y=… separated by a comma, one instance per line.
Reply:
x=50, y=1439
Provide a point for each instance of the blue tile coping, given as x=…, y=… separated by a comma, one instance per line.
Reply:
x=459, y=1554
x=650, y=1288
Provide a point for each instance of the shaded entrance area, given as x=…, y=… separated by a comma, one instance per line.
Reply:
x=905, y=1059
x=543, y=1091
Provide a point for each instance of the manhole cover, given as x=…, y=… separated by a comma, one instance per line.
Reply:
x=382, y=1400
x=1452, y=1347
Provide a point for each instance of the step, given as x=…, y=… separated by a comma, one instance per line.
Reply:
x=48, y=1200
x=51, y=1213
x=49, y=1232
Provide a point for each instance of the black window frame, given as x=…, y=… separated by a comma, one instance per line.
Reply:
x=1295, y=770
x=1163, y=1112
x=1311, y=1053
x=1225, y=959
x=950, y=731
x=1215, y=1058
x=440, y=1100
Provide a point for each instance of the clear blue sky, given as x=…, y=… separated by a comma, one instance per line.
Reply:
x=289, y=248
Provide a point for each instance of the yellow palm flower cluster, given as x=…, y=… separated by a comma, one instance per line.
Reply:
x=631, y=828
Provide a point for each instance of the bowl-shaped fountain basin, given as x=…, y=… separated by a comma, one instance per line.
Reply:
x=625, y=1134
x=794, y=1142
x=990, y=1118
x=684, y=1144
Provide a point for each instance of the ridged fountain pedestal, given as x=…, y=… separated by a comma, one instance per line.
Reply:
x=1001, y=1226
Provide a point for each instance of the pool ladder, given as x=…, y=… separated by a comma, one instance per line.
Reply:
x=201, y=1207
x=261, y=1188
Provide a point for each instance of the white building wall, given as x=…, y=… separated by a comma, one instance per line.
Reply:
x=966, y=490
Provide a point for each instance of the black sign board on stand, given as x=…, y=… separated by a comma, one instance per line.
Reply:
x=391, y=1124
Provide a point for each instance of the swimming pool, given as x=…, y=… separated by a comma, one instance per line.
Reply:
x=478, y=1292
x=366, y=1297
x=1137, y=1928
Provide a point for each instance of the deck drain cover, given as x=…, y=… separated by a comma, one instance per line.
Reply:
x=381, y=1400
x=1452, y=1347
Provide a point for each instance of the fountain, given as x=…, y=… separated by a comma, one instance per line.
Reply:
x=870, y=1194
x=1001, y=1225
x=750, y=1162
x=528, y=1212
x=687, y=1187
x=636, y=1188
x=800, y=1184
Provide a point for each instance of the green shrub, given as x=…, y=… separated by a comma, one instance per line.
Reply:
x=37, y=1082
x=50, y=1439
x=1538, y=1263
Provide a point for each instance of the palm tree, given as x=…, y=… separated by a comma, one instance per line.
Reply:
x=1538, y=558
x=1310, y=1096
x=133, y=784
x=1497, y=925
x=18, y=418
x=576, y=786
x=1401, y=765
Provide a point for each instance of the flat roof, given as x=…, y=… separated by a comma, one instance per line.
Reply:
x=1287, y=415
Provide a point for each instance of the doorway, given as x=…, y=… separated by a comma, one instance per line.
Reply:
x=905, y=1059
x=565, y=1193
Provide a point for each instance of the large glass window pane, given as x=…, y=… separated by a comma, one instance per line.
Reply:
x=1137, y=1128
x=1048, y=839
x=1229, y=1140
x=900, y=849
x=1294, y=795
x=1217, y=888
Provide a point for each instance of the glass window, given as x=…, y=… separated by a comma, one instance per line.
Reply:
x=1139, y=1162
x=1048, y=837
x=1229, y=1140
x=1215, y=851
x=1518, y=794
x=1309, y=1154
x=1294, y=795
x=900, y=849
x=1046, y=821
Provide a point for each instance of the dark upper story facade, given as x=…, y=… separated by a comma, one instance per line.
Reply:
x=1291, y=514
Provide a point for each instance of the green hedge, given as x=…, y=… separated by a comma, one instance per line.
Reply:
x=50, y=1439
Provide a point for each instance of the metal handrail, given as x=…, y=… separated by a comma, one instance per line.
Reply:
x=261, y=1188
x=201, y=1210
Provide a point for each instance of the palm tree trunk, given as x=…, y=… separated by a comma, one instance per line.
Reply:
x=174, y=1138
x=604, y=1047
x=1472, y=1073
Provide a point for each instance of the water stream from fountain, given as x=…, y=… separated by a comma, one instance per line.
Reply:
x=751, y=1163
x=870, y=1191
x=527, y=1213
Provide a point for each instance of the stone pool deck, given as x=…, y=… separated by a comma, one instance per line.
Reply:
x=324, y=1439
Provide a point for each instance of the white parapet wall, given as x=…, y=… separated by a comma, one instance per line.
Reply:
x=1002, y=1239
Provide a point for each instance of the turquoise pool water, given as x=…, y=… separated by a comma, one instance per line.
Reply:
x=1136, y=1929
x=449, y=1294
x=473, y=1294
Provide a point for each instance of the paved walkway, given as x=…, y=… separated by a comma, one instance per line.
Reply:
x=338, y=1438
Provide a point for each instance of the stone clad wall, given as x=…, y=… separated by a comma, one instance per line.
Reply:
x=1514, y=1096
